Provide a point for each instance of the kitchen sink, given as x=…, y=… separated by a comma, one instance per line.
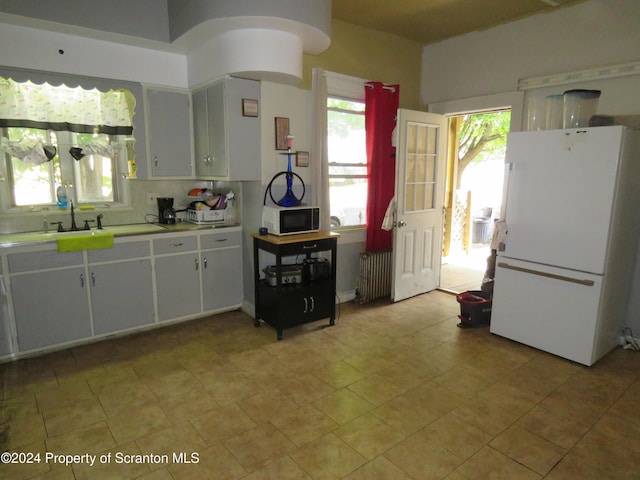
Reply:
x=134, y=229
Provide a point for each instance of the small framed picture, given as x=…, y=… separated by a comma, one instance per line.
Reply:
x=302, y=159
x=249, y=107
x=282, y=130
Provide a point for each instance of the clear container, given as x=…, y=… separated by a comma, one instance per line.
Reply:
x=554, y=111
x=535, y=113
x=578, y=107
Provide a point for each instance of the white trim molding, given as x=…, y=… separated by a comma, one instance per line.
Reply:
x=611, y=71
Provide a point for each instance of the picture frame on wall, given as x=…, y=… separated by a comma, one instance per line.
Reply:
x=249, y=107
x=282, y=130
x=302, y=159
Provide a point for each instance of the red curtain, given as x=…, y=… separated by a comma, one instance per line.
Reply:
x=381, y=106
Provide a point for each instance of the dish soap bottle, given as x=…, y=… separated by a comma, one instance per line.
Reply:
x=61, y=194
x=231, y=213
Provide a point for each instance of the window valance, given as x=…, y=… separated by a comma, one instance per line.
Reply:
x=63, y=108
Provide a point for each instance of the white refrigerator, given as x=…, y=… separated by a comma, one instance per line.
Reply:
x=564, y=270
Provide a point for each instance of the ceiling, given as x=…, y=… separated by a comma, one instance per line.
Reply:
x=430, y=21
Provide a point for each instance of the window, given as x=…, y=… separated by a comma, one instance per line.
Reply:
x=56, y=135
x=91, y=178
x=347, y=162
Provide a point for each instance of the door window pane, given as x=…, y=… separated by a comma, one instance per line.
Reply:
x=421, y=167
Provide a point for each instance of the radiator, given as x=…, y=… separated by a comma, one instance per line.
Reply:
x=374, y=276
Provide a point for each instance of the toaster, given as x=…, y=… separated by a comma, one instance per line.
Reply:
x=316, y=269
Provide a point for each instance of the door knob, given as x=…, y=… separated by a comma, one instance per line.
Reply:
x=402, y=224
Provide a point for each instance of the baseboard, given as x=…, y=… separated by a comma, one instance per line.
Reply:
x=343, y=297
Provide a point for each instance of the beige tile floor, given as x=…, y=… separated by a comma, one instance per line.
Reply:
x=391, y=392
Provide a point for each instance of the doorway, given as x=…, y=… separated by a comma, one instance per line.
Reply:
x=474, y=194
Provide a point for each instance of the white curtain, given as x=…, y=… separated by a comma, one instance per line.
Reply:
x=320, y=160
x=59, y=107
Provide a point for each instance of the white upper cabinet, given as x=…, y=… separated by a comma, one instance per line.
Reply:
x=226, y=119
x=168, y=124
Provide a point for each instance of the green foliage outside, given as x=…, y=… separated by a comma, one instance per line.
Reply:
x=481, y=136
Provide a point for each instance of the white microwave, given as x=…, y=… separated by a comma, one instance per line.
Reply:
x=289, y=220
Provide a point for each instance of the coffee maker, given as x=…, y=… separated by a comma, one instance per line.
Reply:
x=166, y=213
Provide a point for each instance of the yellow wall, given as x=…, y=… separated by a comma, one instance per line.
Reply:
x=372, y=55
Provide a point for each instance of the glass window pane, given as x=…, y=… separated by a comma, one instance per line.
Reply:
x=32, y=184
x=409, y=204
x=348, y=200
x=411, y=168
x=420, y=168
x=95, y=173
x=431, y=142
x=431, y=168
x=421, y=146
x=429, y=196
x=420, y=196
x=411, y=138
x=346, y=142
x=95, y=179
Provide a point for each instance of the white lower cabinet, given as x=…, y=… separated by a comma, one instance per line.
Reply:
x=221, y=280
x=121, y=285
x=121, y=295
x=65, y=298
x=50, y=307
x=178, y=285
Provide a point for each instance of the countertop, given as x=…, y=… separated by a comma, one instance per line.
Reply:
x=34, y=238
x=296, y=238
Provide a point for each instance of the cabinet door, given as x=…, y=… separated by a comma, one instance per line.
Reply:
x=221, y=278
x=201, y=134
x=304, y=304
x=169, y=127
x=50, y=307
x=178, y=285
x=121, y=295
x=218, y=131
x=6, y=346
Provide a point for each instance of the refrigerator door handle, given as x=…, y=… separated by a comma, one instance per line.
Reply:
x=588, y=283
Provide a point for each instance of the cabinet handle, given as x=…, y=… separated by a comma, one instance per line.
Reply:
x=204, y=261
x=308, y=247
x=306, y=305
x=155, y=161
x=586, y=282
x=82, y=280
x=93, y=279
x=313, y=304
x=197, y=265
x=221, y=240
x=174, y=245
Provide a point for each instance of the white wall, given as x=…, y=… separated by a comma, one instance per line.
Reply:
x=592, y=34
x=35, y=49
x=279, y=100
x=587, y=35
